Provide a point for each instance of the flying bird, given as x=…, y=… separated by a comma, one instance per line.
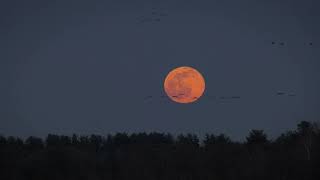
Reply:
x=229, y=97
x=280, y=93
x=161, y=98
x=154, y=17
x=148, y=97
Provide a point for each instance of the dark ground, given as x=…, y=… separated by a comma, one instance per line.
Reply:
x=155, y=156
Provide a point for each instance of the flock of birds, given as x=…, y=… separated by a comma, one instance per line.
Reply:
x=282, y=43
x=156, y=15
x=150, y=97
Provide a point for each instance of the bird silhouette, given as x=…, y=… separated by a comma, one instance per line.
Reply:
x=155, y=16
x=229, y=97
x=283, y=43
x=280, y=93
x=148, y=97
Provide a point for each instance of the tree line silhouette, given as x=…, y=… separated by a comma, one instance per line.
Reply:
x=294, y=155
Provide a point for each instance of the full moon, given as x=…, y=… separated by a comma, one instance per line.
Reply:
x=184, y=84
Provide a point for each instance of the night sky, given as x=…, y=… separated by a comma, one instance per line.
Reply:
x=86, y=66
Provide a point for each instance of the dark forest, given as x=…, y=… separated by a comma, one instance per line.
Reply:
x=294, y=155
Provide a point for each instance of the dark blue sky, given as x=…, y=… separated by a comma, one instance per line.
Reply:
x=86, y=66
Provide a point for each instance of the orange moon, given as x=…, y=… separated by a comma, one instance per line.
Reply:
x=184, y=84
